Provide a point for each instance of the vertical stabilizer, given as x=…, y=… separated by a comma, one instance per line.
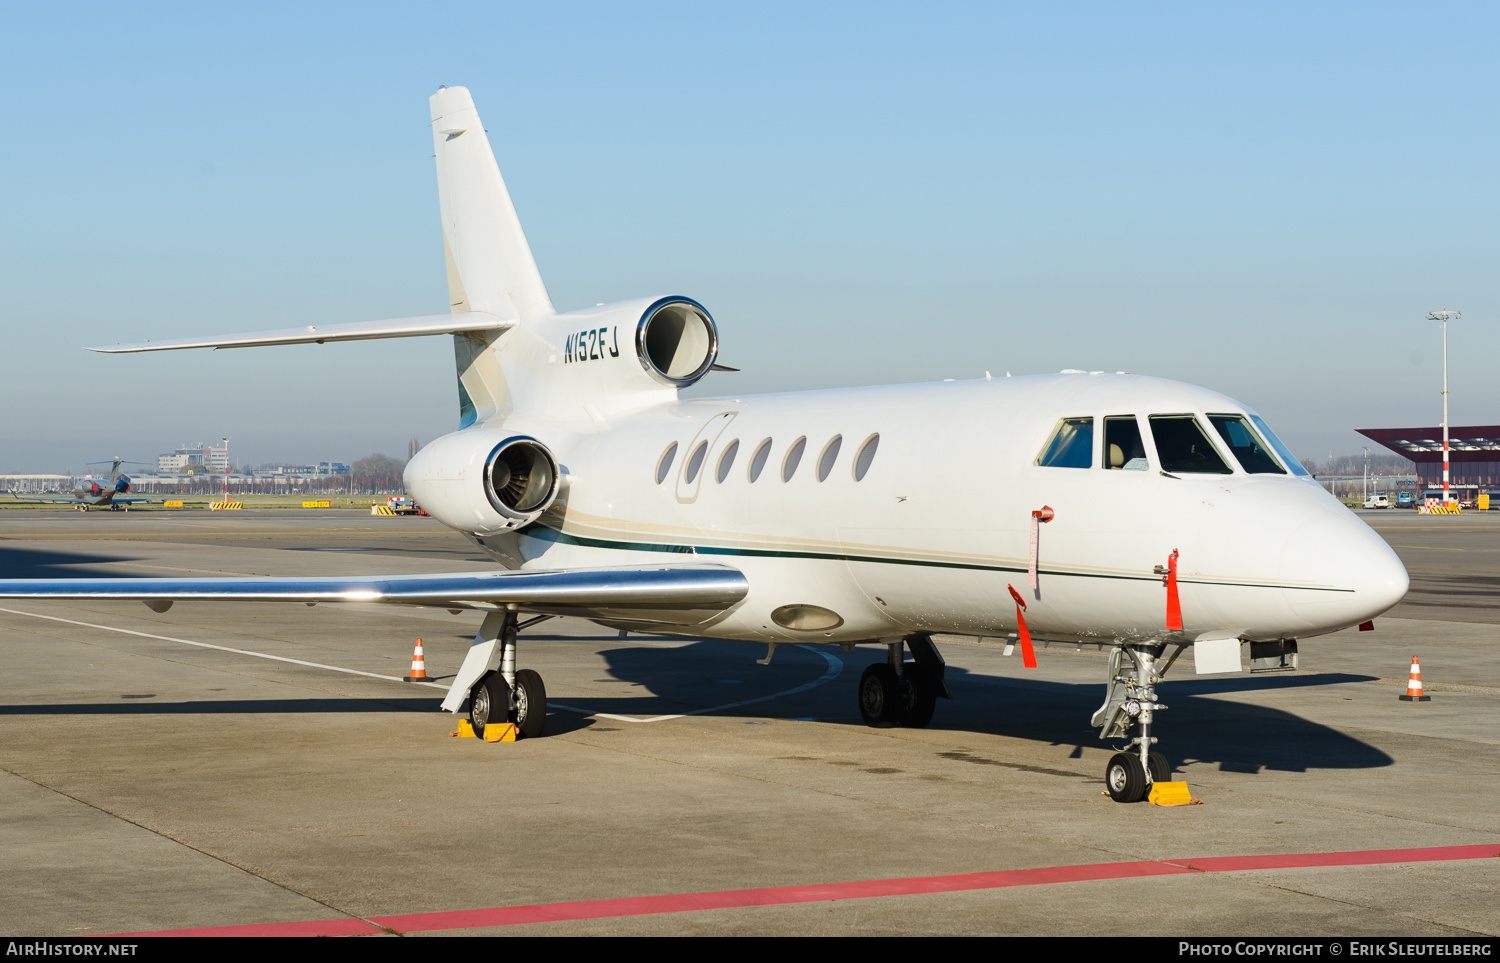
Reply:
x=490, y=267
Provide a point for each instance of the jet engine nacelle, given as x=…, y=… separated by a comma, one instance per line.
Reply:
x=483, y=480
x=658, y=343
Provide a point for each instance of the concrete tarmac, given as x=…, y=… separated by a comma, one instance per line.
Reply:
x=244, y=764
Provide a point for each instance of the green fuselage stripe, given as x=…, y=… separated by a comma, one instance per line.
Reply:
x=549, y=534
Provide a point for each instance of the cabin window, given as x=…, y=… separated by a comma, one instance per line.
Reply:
x=829, y=456
x=1182, y=446
x=1245, y=445
x=793, y=458
x=1071, y=445
x=758, y=460
x=726, y=461
x=695, y=461
x=1287, y=458
x=1123, y=448
x=866, y=456
x=664, y=464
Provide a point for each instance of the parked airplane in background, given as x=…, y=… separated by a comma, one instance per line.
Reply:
x=97, y=492
x=1140, y=513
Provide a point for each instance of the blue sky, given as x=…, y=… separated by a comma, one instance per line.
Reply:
x=1264, y=199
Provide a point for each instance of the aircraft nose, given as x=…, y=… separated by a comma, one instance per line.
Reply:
x=1343, y=573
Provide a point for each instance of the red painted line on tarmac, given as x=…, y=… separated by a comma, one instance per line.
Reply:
x=1368, y=857
x=827, y=892
x=777, y=896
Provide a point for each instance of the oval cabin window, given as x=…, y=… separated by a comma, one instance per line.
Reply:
x=793, y=458
x=866, y=456
x=829, y=456
x=695, y=461
x=664, y=464
x=726, y=461
x=758, y=461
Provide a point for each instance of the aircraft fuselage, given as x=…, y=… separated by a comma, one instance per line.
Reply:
x=938, y=526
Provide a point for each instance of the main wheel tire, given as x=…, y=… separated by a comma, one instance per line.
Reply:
x=879, y=696
x=1125, y=778
x=489, y=701
x=1160, y=771
x=918, y=696
x=530, y=713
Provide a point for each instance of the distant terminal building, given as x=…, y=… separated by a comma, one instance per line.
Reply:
x=192, y=460
x=1473, y=454
x=323, y=469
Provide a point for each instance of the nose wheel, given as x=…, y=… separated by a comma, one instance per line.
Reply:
x=1127, y=781
x=1130, y=703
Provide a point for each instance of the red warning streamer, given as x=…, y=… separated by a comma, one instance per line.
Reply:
x=1028, y=654
x=1174, y=608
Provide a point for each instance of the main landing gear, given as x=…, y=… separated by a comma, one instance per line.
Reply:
x=896, y=691
x=506, y=695
x=1134, y=670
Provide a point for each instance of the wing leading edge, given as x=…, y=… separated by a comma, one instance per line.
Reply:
x=318, y=334
x=680, y=595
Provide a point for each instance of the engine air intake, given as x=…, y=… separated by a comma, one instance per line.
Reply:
x=520, y=477
x=677, y=341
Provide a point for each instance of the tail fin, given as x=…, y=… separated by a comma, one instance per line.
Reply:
x=490, y=267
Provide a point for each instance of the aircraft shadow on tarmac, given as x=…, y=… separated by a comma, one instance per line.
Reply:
x=40, y=563
x=1239, y=736
x=723, y=678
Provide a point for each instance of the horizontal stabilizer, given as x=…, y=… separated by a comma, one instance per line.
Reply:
x=679, y=595
x=319, y=333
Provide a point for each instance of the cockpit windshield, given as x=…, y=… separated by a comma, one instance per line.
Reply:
x=1182, y=446
x=1245, y=445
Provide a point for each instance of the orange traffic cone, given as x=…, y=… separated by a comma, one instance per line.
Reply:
x=419, y=666
x=1414, y=686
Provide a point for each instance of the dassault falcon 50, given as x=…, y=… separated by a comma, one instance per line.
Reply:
x=1142, y=514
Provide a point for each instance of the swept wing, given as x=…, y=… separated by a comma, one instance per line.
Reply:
x=319, y=333
x=679, y=595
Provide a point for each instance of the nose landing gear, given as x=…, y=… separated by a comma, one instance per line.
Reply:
x=1131, y=701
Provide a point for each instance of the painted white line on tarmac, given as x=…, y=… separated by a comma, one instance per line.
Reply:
x=830, y=672
x=224, y=648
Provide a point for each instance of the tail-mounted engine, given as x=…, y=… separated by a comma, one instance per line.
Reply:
x=673, y=342
x=520, y=478
x=676, y=341
x=484, y=481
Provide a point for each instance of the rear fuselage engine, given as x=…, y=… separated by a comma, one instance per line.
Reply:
x=483, y=480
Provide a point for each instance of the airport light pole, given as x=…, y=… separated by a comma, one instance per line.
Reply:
x=1444, y=316
x=226, y=471
x=1367, y=471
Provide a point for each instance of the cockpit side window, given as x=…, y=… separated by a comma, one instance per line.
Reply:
x=1182, y=446
x=1287, y=458
x=1071, y=445
x=1245, y=445
x=1123, y=448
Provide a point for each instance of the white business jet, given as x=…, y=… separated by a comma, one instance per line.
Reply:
x=1110, y=508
